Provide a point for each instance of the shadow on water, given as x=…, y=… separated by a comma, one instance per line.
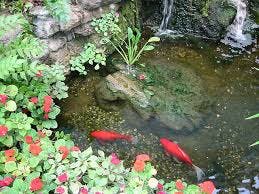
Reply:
x=219, y=145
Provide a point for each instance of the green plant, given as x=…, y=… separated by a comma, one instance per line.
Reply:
x=132, y=51
x=59, y=9
x=90, y=55
x=107, y=26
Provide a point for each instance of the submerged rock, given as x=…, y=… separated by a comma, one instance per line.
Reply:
x=171, y=94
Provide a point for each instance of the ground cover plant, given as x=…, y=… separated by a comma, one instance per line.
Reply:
x=34, y=159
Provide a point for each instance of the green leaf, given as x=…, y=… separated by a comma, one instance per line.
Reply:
x=10, y=166
x=253, y=117
x=130, y=33
x=11, y=106
x=34, y=161
x=148, y=48
x=50, y=124
x=11, y=90
x=8, y=141
x=154, y=39
x=254, y=144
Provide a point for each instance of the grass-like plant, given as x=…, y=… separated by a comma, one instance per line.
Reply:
x=131, y=51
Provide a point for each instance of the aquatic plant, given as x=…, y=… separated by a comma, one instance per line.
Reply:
x=132, y=51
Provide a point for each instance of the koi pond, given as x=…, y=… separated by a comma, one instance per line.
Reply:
x=218, y=89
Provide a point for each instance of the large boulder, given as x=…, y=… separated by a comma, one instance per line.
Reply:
x=205, y=18
x=173, y=95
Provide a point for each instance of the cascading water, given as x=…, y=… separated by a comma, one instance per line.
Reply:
x=235, y=36
x=167, y=13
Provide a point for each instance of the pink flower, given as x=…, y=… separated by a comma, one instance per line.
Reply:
x=3, y=98
x=179, y=185
x=6, y=181
x=161, y=192
x=63, y=178
x=98, y=192
x=39, y=73
x=160, y=186
x=115, y=160
x=143, y=157
x=34, y=100
x=46, y=116
x=141, y=77
x=117, y=14
x=28, y=139
x=83, y=191
x=3, y=130
x=75, y=149
x=60, y=190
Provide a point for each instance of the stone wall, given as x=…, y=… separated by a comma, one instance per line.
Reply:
x=64, y=40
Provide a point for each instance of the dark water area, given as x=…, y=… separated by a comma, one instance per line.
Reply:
x=220, y=145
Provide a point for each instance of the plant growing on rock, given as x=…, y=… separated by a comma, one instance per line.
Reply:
x=90, y=55
x=132, y=51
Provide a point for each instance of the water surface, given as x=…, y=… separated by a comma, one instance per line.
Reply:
x=220, y=145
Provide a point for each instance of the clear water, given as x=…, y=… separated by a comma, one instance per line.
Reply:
x=220, y=145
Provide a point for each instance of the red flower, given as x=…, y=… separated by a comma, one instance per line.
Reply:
x=34, y=100
x=3, y=98
x=179, y=185
x=83, y=191
x=63, y=150
x=35, y=149
x=46, y=116
x=207, y=187
x=39, y=73
x=63, y=178
x=41, y=134
x=6, y=181
x=60, y=190
x=28, y=139
x=143, y=157
x=178, y=192
x=139, y=165
x=47, y=104
x=9, y=155
x=3, y=130
x=75, y=149
x=36, y=184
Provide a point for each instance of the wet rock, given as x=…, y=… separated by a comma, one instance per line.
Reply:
x=93, y=4
x=54, y=44
x=84, y=30
x=172, y=95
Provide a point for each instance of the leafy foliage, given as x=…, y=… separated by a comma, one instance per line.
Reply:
x=59, y=9
x=132, y=51
x=90, y=55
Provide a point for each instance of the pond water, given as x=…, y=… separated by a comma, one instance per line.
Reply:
x=219, y=145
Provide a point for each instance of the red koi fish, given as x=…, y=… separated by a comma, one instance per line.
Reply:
x=110, y=136
x=174, y=150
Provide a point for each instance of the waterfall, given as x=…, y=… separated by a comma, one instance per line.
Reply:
x=167, y=13
x=235, y=36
